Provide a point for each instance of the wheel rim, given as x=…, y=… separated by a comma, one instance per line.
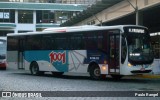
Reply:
x=97, y=72
x=34, y=69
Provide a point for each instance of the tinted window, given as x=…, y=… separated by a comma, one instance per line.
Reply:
x=12, y=43
x=33, y=42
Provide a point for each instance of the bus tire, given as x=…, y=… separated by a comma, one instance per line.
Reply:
x=34, y=68
x=117, y=76
x=95, y=72
x=57, y=73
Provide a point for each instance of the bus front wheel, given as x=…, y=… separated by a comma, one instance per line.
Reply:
x=95, y=72
x=35, y=69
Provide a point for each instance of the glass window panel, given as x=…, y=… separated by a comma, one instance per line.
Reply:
x=25, y=16
x=7, y=15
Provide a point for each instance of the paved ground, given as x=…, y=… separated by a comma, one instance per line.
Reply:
x=18, y=80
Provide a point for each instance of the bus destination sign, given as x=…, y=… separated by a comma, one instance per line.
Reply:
x=134, y=30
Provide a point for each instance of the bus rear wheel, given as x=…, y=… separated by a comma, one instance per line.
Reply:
x=35, y=69
x=57, y=73
x=95, y=72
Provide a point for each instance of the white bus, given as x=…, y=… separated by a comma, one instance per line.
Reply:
x=3, y=47
x=97, y=50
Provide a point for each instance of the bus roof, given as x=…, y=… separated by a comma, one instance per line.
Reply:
x=74, y=29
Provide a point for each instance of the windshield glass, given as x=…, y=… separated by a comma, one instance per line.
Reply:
x=139, y=48
x=2, y=49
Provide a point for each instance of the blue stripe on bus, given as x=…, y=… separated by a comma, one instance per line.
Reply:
x=58, y=58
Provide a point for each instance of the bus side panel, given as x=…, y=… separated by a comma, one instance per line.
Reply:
x=46, y=66
x=48, y=60
x=57, y=60
x=60, y=60
x=76, y=61
x=26, y=64
x=43, y=66
x=79, y=60
x=12, y=59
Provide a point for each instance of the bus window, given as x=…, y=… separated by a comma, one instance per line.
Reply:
x=33, y=43
x=91, y=41
x=100, y=41
x=139, y=48
x=112, y=45
x=61, y=43
x=77, y=42
x=12, y=44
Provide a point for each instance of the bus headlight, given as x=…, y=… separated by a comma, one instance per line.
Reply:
x=104, y=67
x=130, y=65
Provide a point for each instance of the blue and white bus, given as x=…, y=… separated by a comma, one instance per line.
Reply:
x=97, y=50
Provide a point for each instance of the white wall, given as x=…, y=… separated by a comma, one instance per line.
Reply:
x=26, y=27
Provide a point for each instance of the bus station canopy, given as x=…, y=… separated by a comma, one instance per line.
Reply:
x=91, y=11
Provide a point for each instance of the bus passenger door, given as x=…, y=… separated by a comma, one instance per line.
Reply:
x=20, y=54
x=114, y=51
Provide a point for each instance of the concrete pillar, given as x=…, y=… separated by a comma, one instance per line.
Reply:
x=139, y=18
x=16, y=21
x=34, y=20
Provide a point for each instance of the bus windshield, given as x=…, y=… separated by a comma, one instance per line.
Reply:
x=139, y=48
x=2, y=49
